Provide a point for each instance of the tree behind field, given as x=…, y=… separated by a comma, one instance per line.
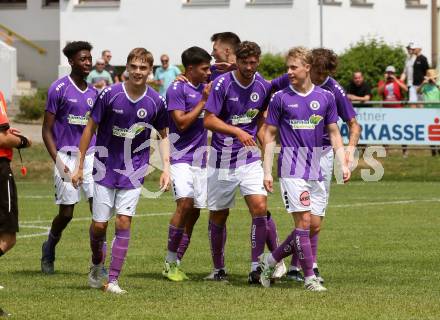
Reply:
x=371, y=57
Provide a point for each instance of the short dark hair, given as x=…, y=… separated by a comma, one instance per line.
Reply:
x=141, y=53
x=324, y=60
x=248, y=49
x=74, y=47
x=194, y=56
x=227, y=37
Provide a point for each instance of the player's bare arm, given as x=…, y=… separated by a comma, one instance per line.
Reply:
x=269, y=150
x=164, y=147
x=338, y=147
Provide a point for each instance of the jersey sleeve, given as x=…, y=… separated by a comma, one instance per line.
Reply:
x=280, y=83
x=214, y=104
x=331, y=115
x=100, y=106
x=344, y=106
x=161, y=120
x=274, y=112
x=268, y=88
x=54, y=98
x=176, y=97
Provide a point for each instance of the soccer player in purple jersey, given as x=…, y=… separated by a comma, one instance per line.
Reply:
x=300, y=112
x=324, y=64
x=186, y=105
x=69, y=102
x=124, y=115
x=234, y=113
x=224, y=45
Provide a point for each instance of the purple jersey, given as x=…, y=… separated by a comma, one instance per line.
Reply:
x=301, y=120
x=215, y=73
x=344, y=106
x=190, y=146
x=71, y=107
x=238, y=106
x=124, y=126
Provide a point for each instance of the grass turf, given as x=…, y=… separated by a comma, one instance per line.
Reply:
x=378, y=254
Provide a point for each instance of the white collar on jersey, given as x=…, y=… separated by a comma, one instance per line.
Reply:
x=195, y=87
x=238, y=82
x=73, y=83
x=302, y=94
x=138, y=99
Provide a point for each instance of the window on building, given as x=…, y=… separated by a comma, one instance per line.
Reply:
x=13, y=3
x=330, y=2
x=99, y=3
x=269, y=2
x=206, y=2
x=51, y=3
x=415, y=4
x=361, y=3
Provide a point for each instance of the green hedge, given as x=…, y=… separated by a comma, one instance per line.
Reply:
x=371, y=57
x=32, y=107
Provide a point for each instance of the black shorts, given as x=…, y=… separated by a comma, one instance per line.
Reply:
x=8, y=199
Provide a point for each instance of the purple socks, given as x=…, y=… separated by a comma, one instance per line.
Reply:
x=183, y=245
x=298, y=240
x=119, y=251
x=217, y=239
x=314, y=244
x=271, y=234
x=258, y=237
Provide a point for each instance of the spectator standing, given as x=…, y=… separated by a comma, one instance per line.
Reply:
x=420, y=67
x=430, y=89
x=391, y=89
x=99, y=77
x=358, y=90
x=107, y=56
x=408, y=75
x=165, y=74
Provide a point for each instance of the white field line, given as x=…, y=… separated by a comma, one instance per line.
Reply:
x=29, y=224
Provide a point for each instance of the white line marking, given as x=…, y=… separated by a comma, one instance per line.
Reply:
x=45, y=233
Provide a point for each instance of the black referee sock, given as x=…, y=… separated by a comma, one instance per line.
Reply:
x=1, y=252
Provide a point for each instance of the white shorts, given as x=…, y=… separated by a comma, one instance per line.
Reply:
x=222, y=184
x=107, y=201
x=65, y=193
x=189, y=182
x=301, y=195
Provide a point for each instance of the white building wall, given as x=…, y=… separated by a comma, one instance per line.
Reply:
x=8, y=67
x=166, y=26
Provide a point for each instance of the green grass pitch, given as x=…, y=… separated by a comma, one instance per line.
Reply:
x=379, y=254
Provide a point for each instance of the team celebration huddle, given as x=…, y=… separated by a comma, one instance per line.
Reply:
x=100, y=143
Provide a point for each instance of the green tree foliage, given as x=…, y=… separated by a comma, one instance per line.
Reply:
x=371, y=57
x=272, y=65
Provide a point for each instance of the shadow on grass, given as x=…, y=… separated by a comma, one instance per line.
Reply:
x=33, y=273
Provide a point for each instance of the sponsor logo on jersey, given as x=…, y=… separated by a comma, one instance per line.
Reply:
x=129, y=133
x=309, y=124
x=233, y=99
x=72, y=100
x=78, y=120
x=304, y=198
x=244, y=118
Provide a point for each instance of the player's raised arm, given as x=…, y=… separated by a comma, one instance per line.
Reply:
x=338, y=147
x=84, y=143
x=164, y=147
x=184, y=120
x=269, y=150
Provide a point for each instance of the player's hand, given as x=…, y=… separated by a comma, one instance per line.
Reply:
x=206, y=91
x=268, y=183
x=346, y=173
x=164, y=181
x=77, y=178
x=245, y=138
x=225, y=66
x=181, y=78
x=349, y=157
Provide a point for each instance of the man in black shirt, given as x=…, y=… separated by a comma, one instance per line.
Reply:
x=358, y=90
x=107, y=56
x=420, y=67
